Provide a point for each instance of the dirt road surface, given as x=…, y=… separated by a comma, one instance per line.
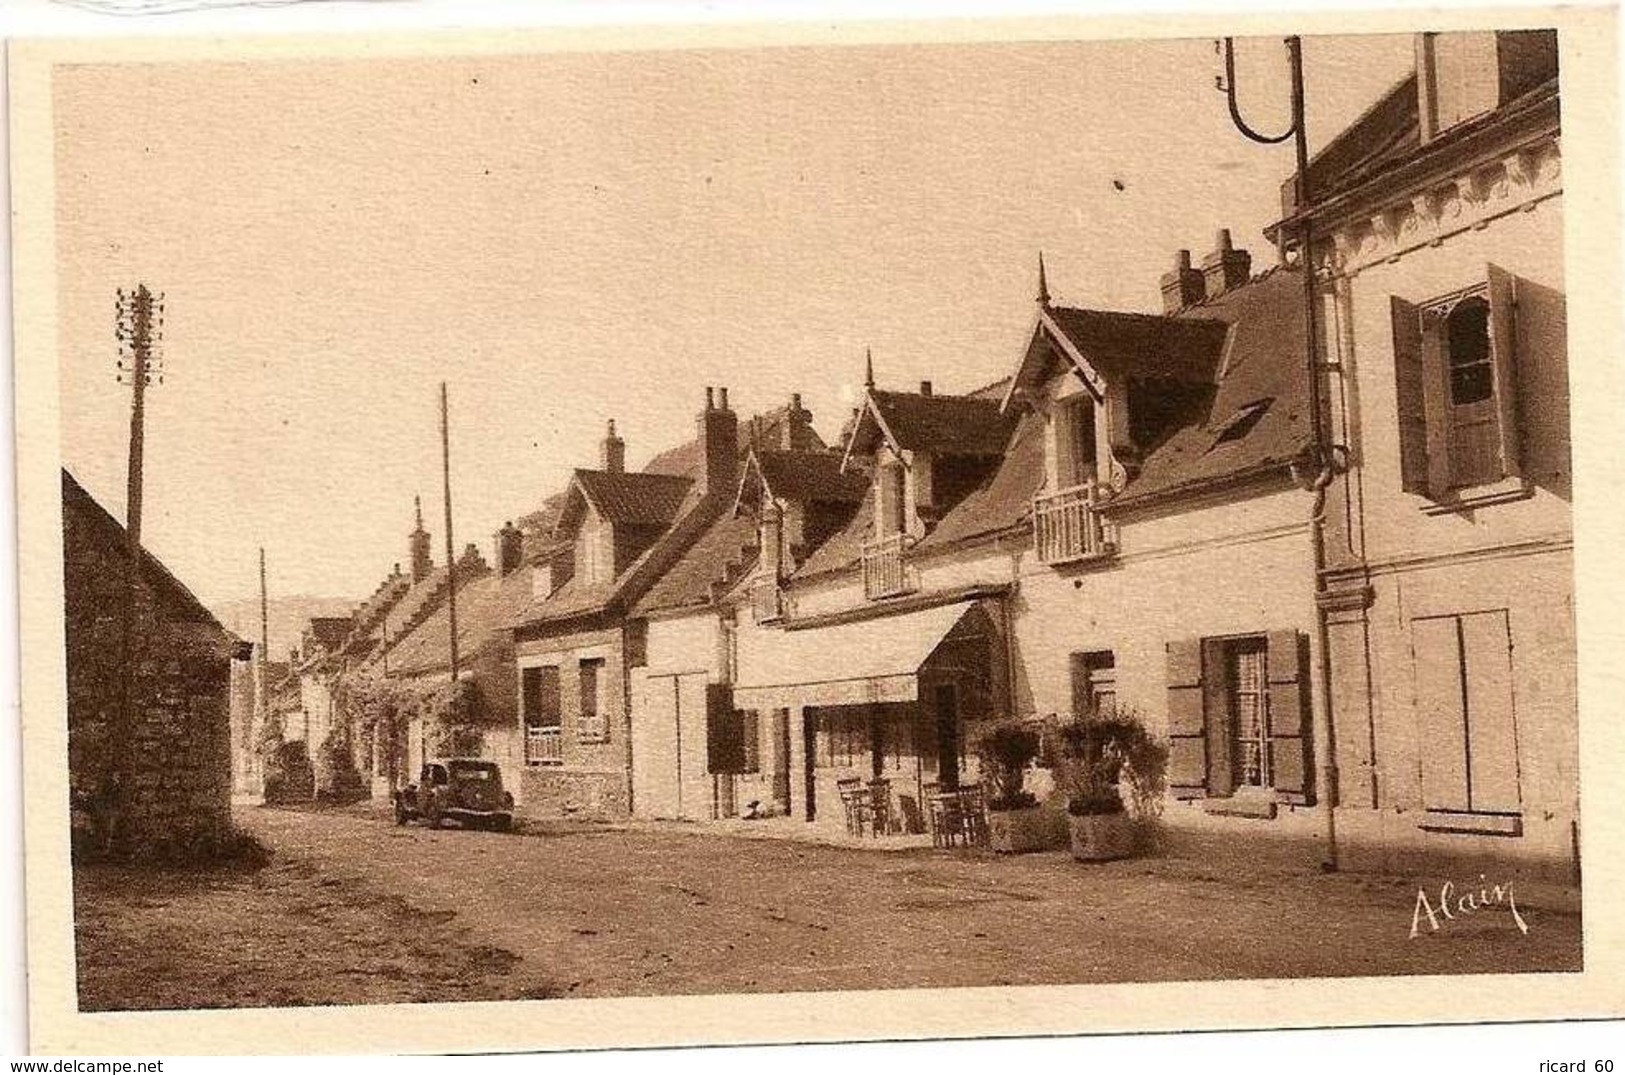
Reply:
x=610, y=911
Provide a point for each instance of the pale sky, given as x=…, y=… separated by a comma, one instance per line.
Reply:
x=566, y=238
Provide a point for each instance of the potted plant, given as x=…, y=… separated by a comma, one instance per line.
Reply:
x=1100, y=757
x=1015, y=821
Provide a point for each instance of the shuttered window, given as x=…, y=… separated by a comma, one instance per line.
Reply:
x=1456, y=383
x=1465, y=714
x=1237, y=716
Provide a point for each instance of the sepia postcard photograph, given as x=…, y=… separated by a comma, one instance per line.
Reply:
x=684, y=535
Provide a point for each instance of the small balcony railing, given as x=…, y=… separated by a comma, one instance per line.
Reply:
x=885, y=574
x=544, y=745
x=1067, y=526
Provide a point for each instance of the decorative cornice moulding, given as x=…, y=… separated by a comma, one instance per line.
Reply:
x=1516, y=181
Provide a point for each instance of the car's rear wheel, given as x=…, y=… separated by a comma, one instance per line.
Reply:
x=434, y=818
x=502, y=823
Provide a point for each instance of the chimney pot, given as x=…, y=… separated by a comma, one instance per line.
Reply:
x=795, y=401
x=1182, y=287
x=925, y=388
x=1226, y=268
x=612, y=451
x=719, y=443
x=510, y=544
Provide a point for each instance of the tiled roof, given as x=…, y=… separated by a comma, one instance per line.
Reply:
x=810, y=477
x=666, y=494
x=845, y=546
x=371, y=612
x=685, y=460
x=1143, y=345
x=638, y=499
x=721, y=554
x=1265, y=360
x=951, y=425
x=419, y=603
x=1006, y=499
x=484, y=608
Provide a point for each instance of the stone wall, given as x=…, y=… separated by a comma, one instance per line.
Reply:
x=602, y=795
x=151, y=776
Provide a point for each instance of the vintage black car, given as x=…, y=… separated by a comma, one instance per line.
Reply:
x=466, y=790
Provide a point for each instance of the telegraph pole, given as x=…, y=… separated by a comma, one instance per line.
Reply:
x=451, y=547
x=140, y=332
x=262, y=695
x=138, y=327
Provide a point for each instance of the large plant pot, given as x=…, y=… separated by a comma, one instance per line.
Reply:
x=1102, y=837
x=1015, y=832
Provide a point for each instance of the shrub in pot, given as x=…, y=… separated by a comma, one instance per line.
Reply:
x=1100, y=757
x=1015, y=821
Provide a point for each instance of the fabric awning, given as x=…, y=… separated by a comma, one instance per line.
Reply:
x=869, y=661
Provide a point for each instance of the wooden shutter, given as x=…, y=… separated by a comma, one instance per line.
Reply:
x=1436, y=405
x=724, y=741
x=1187, y=721
x=1492, y=734
x=1221, y=718
x=1408, y=382
x=1441, y=712
x=1504, y=353
x=1290, y=740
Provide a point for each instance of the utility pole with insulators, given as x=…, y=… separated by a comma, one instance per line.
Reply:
x=140, y=331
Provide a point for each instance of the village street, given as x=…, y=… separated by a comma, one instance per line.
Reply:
x=606, y=910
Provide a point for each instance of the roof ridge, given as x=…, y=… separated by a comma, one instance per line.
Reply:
x=1170, y=319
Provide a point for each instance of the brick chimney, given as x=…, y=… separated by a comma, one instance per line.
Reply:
x=418, y=545
x=611, y=452
x=796, y=433
x=770, y=535
x=1226, y=267
x=925, y=388
x=719, y=442
x=510, y=547
x=1184, y=286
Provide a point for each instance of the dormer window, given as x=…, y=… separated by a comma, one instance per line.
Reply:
x=1074, y=441
x=891, y=505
